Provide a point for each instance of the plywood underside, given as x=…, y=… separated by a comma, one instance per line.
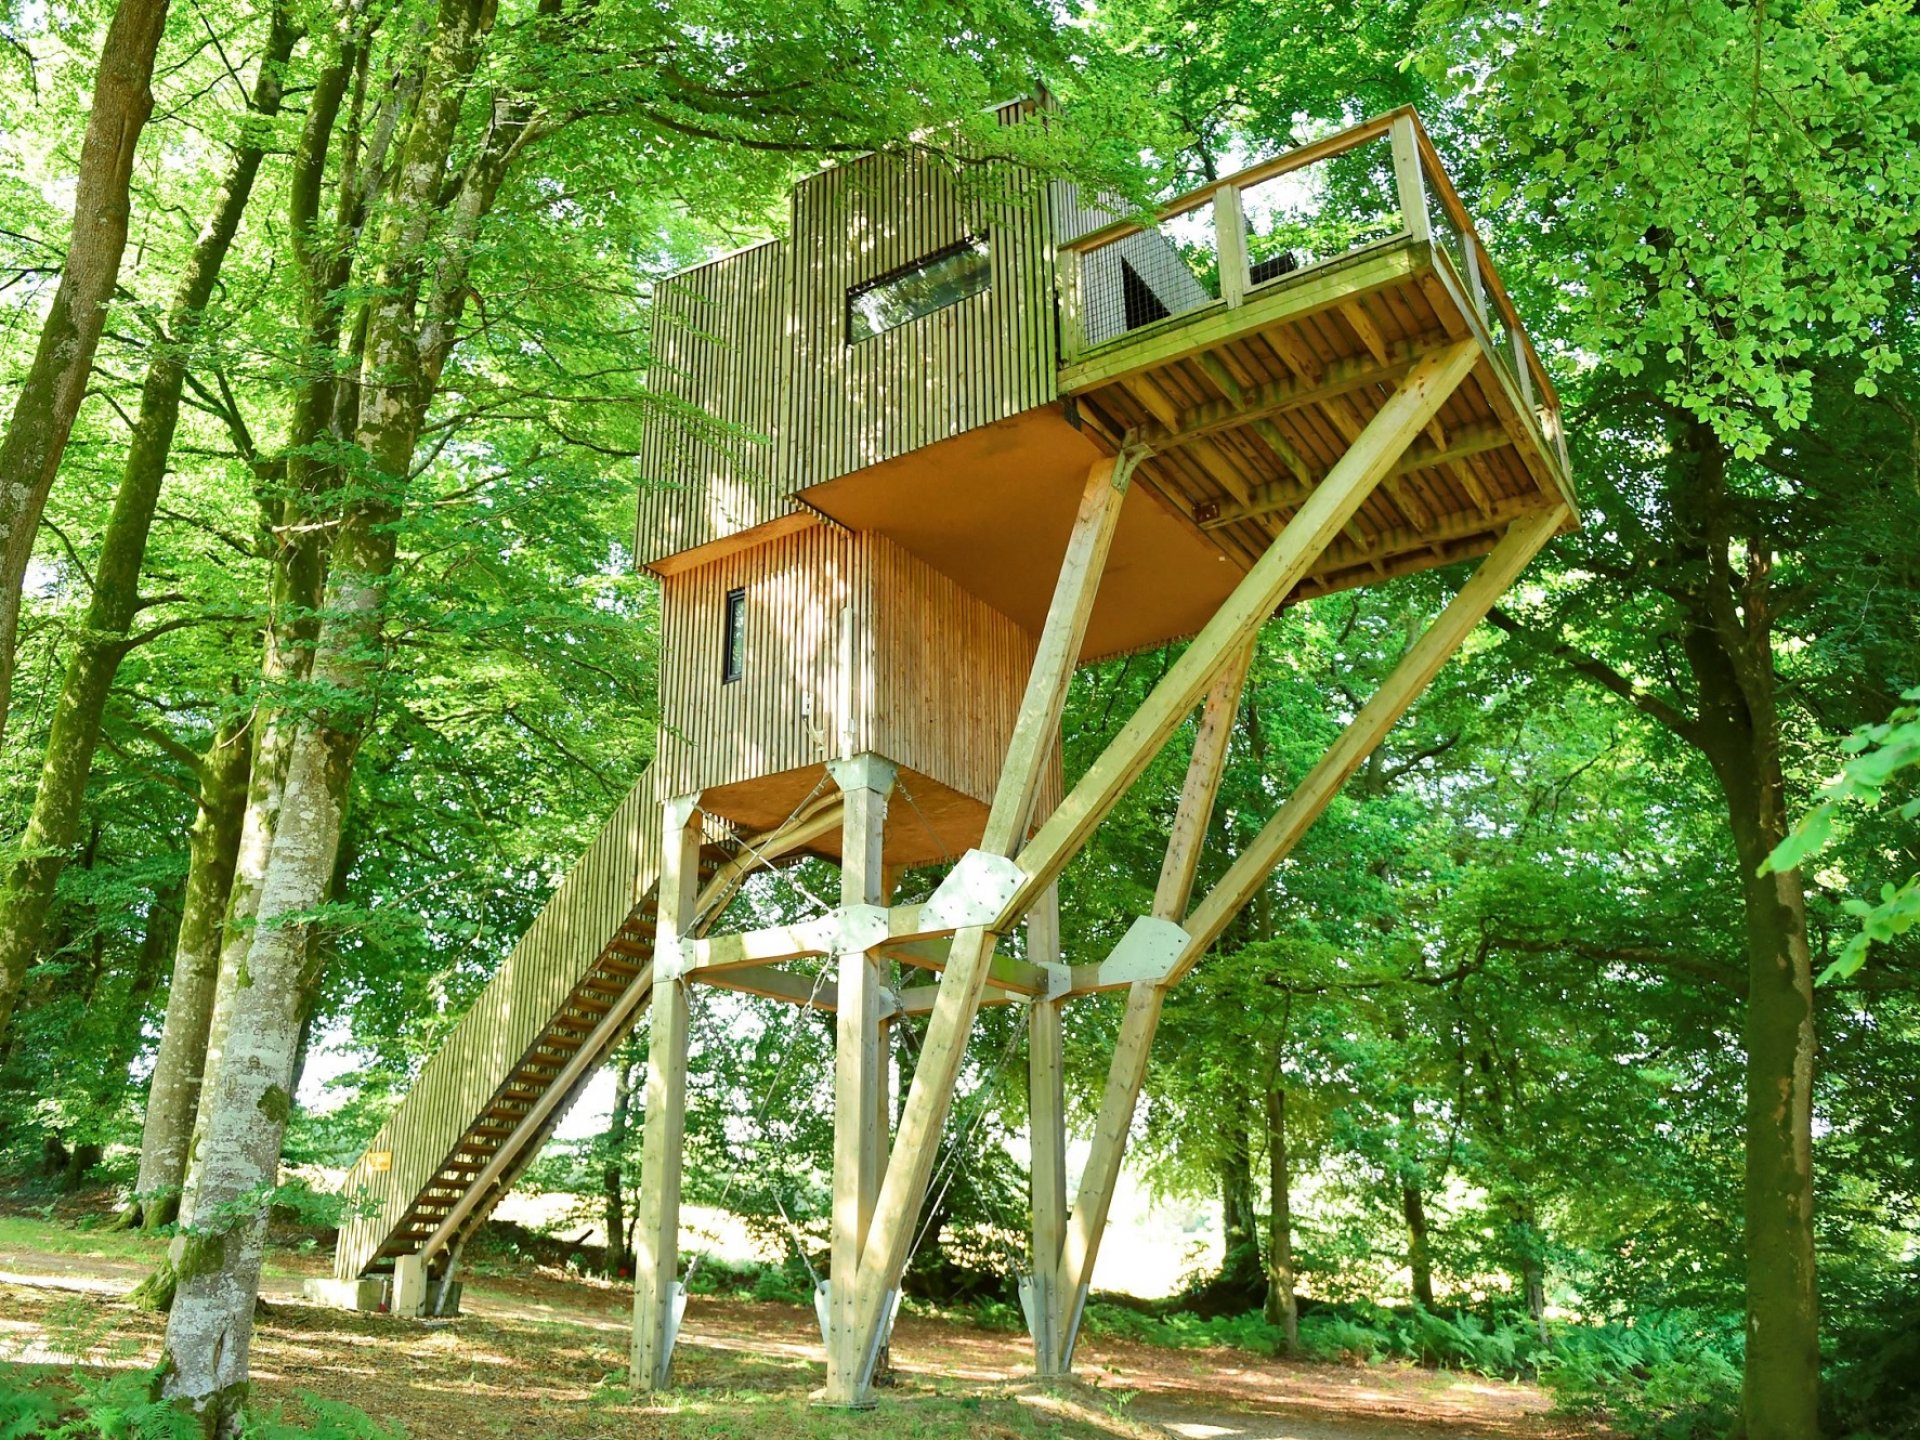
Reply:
x=927, y=823
x=991, y=509
x=1247, y=410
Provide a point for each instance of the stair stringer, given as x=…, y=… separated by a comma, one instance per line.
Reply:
x=529, y=1019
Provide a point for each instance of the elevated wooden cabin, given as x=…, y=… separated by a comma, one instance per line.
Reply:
x=886, y=418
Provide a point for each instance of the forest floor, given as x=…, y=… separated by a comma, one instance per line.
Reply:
x=539, y=1354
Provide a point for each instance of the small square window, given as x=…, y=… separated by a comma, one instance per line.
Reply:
x=734, y=643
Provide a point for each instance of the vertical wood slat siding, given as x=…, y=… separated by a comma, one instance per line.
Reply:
x=796, y=587
x=758, y=341
x=937, y=674
x=983, y=359
x=565, y=941
x=718, y=343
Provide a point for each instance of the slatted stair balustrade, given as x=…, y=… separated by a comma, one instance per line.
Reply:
x=508, y=1072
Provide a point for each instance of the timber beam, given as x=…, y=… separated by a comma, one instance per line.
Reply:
x=1072, y=1253
x=1315, y=526
x=964, y=981
x=1271, y=499
x=1342, y=377
x=1490, y=580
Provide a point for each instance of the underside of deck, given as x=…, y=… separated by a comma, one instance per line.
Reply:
x=1243, y=411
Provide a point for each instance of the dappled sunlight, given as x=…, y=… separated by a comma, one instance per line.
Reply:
x=544, y=1355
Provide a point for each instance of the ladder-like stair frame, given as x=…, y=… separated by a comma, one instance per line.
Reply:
x=464, y=1124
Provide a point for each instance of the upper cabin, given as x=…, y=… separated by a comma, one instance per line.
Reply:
x=888, y=416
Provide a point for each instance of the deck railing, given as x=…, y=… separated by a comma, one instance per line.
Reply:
x=1229, y=242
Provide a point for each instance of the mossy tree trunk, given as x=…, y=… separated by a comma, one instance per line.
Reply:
x=173, y=1095
x=409, y=332
x=106, y=635
x=56, y=382
x=1283, y=1305
x=1729, y=648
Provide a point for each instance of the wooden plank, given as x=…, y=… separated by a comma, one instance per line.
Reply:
x=657, y=1230
x=860, y=1070
x=1319, y=521
x=1279, y=302
x=1407, y=680
x=1408, y=186
x=943, y=1050
x=1340, y=378
x=1036, y=731
x=1047, y=1134
x=1127, y=1071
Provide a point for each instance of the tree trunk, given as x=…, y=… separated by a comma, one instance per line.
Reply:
x=1419, y=1244
x=173, y=1096
x=613, y=1176
x=1283, y=1305
x=1729, y=648
x=27, y=893
x=1533, y=1265
x=44, y=410
x=157, y=939
x=209, y=1329
x=1240, y=1268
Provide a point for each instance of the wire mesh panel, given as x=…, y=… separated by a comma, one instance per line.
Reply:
x=1148, y=276
x=1320, y=212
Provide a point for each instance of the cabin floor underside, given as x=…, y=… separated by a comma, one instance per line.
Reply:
x=1243, y=412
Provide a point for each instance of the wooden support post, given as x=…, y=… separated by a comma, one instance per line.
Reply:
x=1128, y=1070
x=1047, y=1131
x=944, y=1049
x=1315, y=526
x=1070, y=273
x=1406, y=177
x=860, y=1070
x=657, y=1298
x=1411, y=676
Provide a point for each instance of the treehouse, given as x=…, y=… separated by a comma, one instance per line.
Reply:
x=915, y=462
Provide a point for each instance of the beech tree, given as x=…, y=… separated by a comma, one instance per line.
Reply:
x=49, y=397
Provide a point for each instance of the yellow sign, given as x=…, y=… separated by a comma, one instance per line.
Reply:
x=379, y=1161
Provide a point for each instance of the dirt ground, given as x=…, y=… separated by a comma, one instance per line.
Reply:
x=544, y=1356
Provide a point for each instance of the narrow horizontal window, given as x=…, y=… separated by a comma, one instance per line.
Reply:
x=941, y=279
x=733, y=644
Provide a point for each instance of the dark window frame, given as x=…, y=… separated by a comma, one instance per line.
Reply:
x=733, y=635
x=967, y=245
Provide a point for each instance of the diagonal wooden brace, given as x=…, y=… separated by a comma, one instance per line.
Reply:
x=1129, y=1067
x=943, y=1051
x=1080, y=1242
x=1400, y=689
x=1315, y=526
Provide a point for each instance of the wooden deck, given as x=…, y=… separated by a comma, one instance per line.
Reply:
x=1245, y=398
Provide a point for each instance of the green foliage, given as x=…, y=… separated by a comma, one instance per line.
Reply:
x=1664, y=1377
x=121, y=1405
x=1880, y=755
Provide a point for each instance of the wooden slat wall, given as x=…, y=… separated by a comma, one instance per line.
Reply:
x=981, y=360
x=935, y=679
x=615, y=874
x=948, y=677
x=718, y=343
x=797, y=588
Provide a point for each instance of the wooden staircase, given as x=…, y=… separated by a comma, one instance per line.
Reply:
x=492, y=1094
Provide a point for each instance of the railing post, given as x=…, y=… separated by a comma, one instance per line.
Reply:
x=1230, y=240
x=1522, y=371
x=1069, y=265
x=1476, y=287
x=1406, y=178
